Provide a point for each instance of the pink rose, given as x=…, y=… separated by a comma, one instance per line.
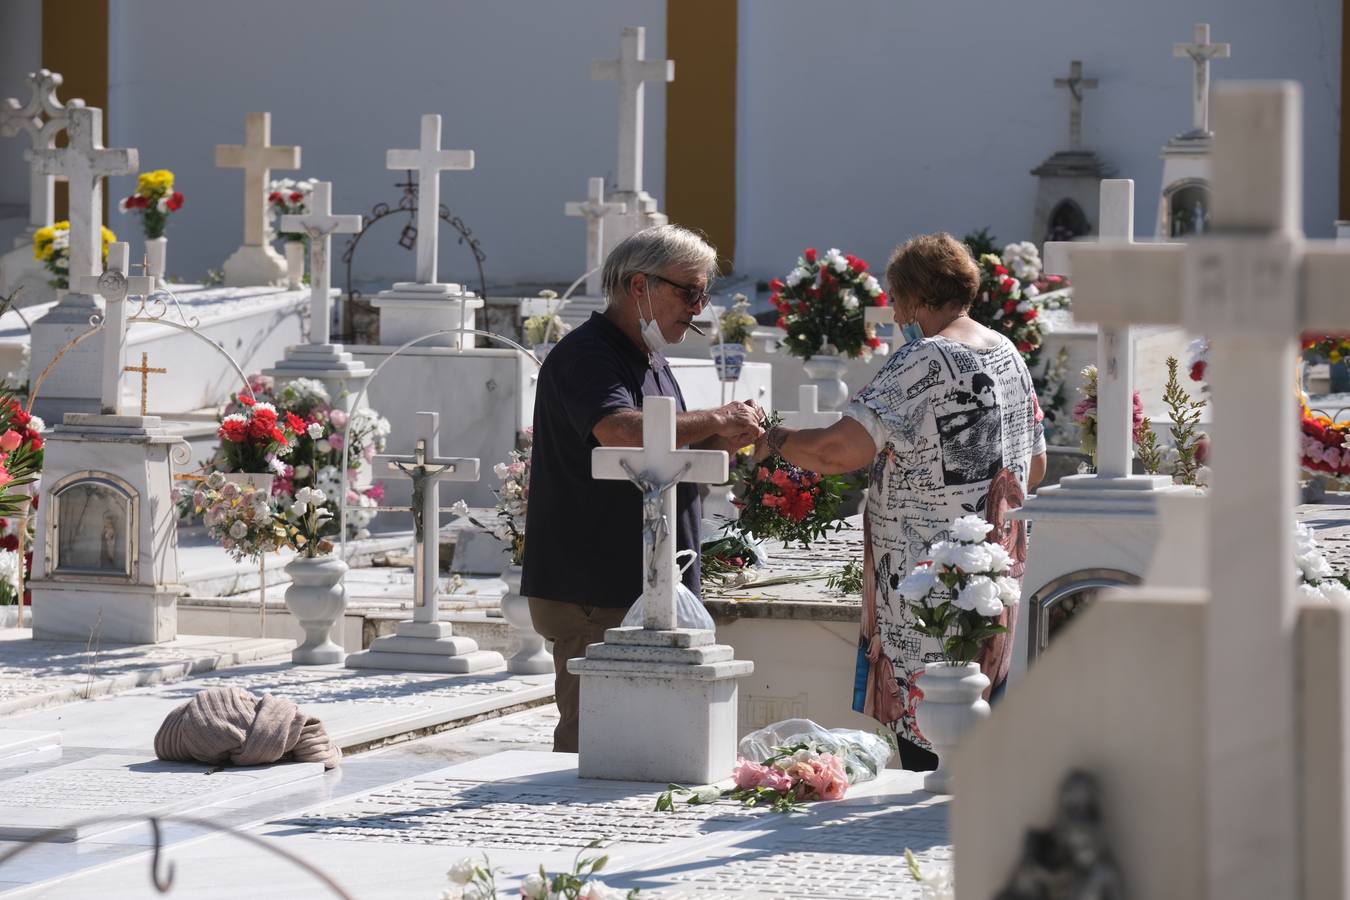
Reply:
x=775, y=779
x=826, y=777
x=338, y=417
x=748, y=775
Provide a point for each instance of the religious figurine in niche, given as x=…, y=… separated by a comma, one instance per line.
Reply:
x=107, y=555
x=1070, y=860
x=92, y=530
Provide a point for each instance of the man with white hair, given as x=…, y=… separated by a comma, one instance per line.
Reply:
x=583, y=555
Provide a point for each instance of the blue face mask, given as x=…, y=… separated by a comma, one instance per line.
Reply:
x=911, y=332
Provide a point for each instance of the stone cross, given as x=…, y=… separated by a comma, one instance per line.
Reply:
x=114, y=285
x=1252, y=284
x=146, y=371
x=429, y=160
x=1076, y=84
x=426, y=468
x=656, y=467
x=809, y=414
x=257, y=157
x=42, y=118
x=85, y=162
x=320, y=224
x=595, y=210
x=1201, y=51
x=632, y=70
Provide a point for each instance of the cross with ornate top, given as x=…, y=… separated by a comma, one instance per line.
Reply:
x=146, y=371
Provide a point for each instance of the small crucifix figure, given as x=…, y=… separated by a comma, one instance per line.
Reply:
x=114, y=285
x=656, y=468
x=595, y=210
x=320, y=224
x=426, y=469
x=429, y=160
x=809, y=414
x=1201, y=51
x=146, y=371
x=1076, y=84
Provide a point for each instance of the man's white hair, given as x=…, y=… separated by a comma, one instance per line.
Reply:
x=652, y=251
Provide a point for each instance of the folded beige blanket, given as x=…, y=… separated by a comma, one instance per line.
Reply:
x=222, y=726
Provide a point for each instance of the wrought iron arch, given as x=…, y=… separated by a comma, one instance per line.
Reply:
x=407, y=204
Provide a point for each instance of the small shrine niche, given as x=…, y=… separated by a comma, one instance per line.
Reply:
x=1186, y=207
x=92, y=529
x=1067, y=222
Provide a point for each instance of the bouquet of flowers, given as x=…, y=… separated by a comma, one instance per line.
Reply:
x=545, y=328
x=736, y=325
x=288, y=197
x=1085, y=415
x=1322, y=446
x=1317, y=582
x=21, y=453
x=727, y=559
x=470, y=880
x=51, y=247
x=959, y=592
x=306, y=523
x=256, y=439
x=238, y=517
x=155, y=199
x=1013, y=292
x=1332, y=348
x=513, y=499
x=820, y=305
x=780, y=501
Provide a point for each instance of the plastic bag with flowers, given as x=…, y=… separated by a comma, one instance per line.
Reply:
x=864, y=753
x=238, y=517
x=51, y=247
x=780, y=501
x=1013, y=292
x=820, y=305
x=155, y=200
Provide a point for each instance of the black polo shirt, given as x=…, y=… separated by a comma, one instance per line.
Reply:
x=584, y=535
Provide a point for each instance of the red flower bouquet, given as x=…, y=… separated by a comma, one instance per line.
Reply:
x=821, y=302
x=252, y=440
x=780, y=501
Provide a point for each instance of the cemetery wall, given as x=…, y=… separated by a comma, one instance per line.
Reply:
x=20, y=53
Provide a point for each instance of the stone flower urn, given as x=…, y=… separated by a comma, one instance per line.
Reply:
x=156, y=259
x=826, y=371
x=317, y=599
x=952, y=702
x=530, y=657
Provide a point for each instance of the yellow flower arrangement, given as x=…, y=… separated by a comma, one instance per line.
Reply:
x=154, y=200
x=155, y=183
x=51, y=247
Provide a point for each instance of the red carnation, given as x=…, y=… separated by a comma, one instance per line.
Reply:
x=294, y=422
x=1000, y=270
x=781, y=323
x=857, y=265
x=1198, y=370
x=175, y=201
x=874, y=342
x=278, y=436
x=35, y=443
x=9, y=542
x=296, y=196
x=19, y=416
x=274, y=197
x=263, y=414
x=1023, y=346
x=809, y=254
x=882, y=300
x=1009, y=307
x=1030, y=314
x=233, y=430
x=775, y=285
x=1006, y=285
x=245, y=400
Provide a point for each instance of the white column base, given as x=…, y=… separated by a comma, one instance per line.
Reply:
x=426, y=647
x=411, y=310
x=341, y=373
x=252, y=266
x=681, y=673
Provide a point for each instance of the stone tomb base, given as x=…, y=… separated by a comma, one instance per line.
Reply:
x=426, y=647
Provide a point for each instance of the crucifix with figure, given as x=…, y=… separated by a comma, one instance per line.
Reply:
x=595, y=209
x=1076, y=84
x=255, y=262
x=1200, y=51
x=320, y=224
x=114, y=285
x=429, y=160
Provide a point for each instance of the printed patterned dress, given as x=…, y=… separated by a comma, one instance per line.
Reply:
x=955, y=428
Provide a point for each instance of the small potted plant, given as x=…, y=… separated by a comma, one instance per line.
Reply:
x=731, y=341
x=316, y=596
x=288, y=197
x=51, y=247
x=155, y=200
x=543, y=331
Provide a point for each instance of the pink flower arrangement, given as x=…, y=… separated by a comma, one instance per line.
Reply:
x=793, y=775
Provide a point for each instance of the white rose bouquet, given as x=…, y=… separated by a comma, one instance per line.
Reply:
x=959, y=592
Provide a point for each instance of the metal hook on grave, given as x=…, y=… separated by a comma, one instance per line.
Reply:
x=161, y=876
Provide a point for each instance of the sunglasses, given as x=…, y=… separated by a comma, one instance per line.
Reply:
x=692, y=296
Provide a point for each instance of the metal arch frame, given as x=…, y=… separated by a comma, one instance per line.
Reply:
x=365, y=388
x=1056, y=589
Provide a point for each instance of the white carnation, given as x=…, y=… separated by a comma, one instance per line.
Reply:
x=981, y=594
x=460, y=508
x=917, y=584
x=970, y=528
x=462, y=871
x=871, y=285
x=941, y=553
x=850, y=300
x=1309, y=593
x=1024, y=306
x=1313, y=566
x=796, y=277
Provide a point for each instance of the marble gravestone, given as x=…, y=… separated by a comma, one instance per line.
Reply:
x=661, y=665
x=1261, y=808
x=1183, y=205
x=42, y=117
x=255, y=262
x=416, y=308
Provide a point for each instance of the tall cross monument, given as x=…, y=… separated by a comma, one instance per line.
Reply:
x=1076, y=84
x=1201, y=51
x=1183, y=205
x=255, y=262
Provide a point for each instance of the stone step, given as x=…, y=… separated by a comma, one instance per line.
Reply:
x=469, y=663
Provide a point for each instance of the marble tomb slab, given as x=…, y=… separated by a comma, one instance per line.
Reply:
x=18, y=747
x=42, y=803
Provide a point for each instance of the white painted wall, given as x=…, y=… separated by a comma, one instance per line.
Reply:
x=20, y=53
x=862, y=124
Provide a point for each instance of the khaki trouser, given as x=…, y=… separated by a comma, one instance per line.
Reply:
x=571, y=627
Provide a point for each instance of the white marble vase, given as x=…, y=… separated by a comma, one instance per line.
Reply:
x=728, y=358
x=826, y=372
x=952, y=702
x=295, y=263
x=530, y=657
x=156, y=258
x=317, y=599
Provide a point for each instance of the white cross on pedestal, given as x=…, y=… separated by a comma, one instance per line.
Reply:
x=1201, y=51
x=1076, y=84
x=85, y=162
x=114, y=285
x=595, y=210
x=809, y=413
x=429, y=160
x=43, y=117
x=1252, y=284
x=632, y=71
x=656, y=467
x=320, y=224
x=426, y=468
x=257, y=157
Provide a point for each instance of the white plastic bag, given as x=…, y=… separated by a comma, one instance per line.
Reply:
x=865, y=754
x=689, y=610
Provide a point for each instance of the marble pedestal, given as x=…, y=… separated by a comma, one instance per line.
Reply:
x=341, y=373
x=19, y=270
x=426, y=647
x=251, y=266
x=681, y=675
x=106, y=557
x=1185, y=164
x=411, y=310
x=641, y=213
x=72, y=386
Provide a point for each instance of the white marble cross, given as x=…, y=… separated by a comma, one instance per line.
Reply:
x=42, y=118
x=656, y=467
x=320, y=224
x=1252, y=284
x=632, y=70
x=1076, y=84
x=85, y=162
x=1201, y=51
x=257, y=157
x=809, y=414
x=115, y=285
x=429, y=160
x=595, y=210
x=426, y=468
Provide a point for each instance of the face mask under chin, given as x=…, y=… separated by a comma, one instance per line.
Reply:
x=652, y=336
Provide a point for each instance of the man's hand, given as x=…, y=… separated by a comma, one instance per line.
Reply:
x=739, y=422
